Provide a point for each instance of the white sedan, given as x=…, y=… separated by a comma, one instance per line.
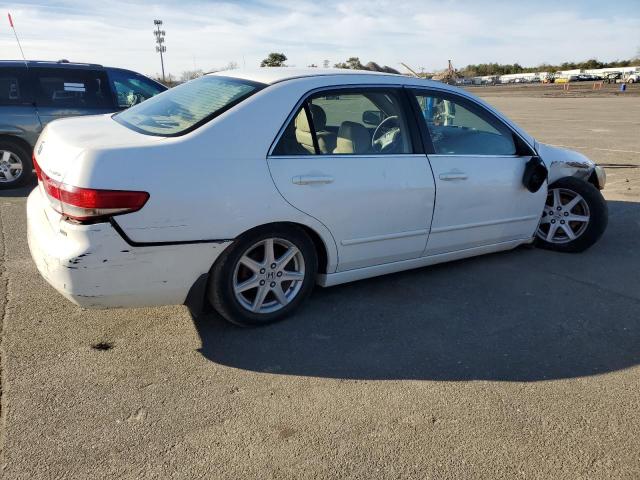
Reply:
x=245, y=189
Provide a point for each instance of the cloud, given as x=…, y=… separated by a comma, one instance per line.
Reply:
x=420, y=33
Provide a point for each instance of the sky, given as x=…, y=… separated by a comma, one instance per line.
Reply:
x=208, y=35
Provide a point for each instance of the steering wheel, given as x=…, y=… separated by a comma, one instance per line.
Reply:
x=386, y=136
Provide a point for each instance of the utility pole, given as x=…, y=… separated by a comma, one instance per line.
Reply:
x=159, y=34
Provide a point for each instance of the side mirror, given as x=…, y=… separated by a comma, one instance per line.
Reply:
x=372, y=117
x=535, y=173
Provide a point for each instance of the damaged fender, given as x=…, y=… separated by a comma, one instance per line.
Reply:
x=561, y=162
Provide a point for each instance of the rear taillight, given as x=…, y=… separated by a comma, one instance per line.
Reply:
x=36, y=167
x=88, y=204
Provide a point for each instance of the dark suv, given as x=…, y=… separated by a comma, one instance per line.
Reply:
x=33, y=93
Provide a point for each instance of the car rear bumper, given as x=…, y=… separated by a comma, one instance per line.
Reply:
x=94, y=267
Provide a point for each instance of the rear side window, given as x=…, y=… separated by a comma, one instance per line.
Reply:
x=68, y=88
x=348, y=122
x=131, y=88
x=187, y=106
x=13, y=87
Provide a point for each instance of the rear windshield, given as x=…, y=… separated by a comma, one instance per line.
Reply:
x=187, y=106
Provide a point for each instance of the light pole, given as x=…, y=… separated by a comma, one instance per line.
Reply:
x=159, y=34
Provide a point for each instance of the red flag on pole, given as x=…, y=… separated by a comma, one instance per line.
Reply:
x=10, y=20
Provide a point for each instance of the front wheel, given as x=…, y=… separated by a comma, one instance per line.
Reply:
x=264, y=276
x=575, y=216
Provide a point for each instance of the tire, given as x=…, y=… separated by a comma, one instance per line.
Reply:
x=12, y=153
x=578, y=200
x=244, y=265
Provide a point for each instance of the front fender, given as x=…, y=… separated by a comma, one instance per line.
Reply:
x=562, y=162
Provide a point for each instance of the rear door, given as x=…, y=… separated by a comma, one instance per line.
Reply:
x=352, y=159
x=478, y=163
x=67, y=92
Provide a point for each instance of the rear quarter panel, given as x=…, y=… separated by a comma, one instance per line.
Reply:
x=213, y=183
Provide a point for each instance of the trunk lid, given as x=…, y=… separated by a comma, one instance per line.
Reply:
x=63, y=141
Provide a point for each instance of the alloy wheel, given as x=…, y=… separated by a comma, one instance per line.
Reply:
x=10, y=166
x=566, y=216
x=268, y=275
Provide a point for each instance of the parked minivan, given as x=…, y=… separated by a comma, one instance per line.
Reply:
x=33, y=93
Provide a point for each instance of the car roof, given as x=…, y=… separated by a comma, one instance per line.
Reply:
x=48, y=64
x=271, y=75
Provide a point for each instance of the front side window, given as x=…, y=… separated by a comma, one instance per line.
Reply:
x=366, y=122
x=187, y=106
x=458, y=128
x=131, y=88
x=69, y=88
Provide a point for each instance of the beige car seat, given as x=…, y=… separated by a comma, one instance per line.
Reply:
x=326, y=139
x=353, y=138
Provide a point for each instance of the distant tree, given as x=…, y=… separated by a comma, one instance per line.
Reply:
x=190, y=75
x=274, y=60
x=325, y=64
x=352, y=63
x=231, y=66
x=313, y=65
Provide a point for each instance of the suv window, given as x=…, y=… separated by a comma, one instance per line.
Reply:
x=348, y=122
x=459, y=128
x=132, y=88
x=69, y=88
x=13, y=87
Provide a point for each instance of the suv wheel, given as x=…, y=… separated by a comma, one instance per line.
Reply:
x=15, y=165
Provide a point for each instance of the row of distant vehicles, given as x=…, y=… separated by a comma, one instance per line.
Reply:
x=558, y=77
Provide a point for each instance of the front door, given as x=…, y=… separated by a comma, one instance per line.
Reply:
x=478, y=163
x=347, y=159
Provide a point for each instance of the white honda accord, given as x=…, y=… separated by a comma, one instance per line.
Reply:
x=245, y=189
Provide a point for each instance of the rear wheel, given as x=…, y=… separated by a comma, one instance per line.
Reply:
x=15, y=165
x=575, y=216
x=264, y=276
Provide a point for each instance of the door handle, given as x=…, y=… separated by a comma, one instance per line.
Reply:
x=311, y=179
x=453, y=175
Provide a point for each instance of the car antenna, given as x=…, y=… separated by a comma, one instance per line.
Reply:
x=17, y=39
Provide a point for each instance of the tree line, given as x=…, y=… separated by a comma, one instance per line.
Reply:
x=483, y=69
x=278, y=59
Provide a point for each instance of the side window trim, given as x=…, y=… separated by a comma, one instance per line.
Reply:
x=303, y=102
x=312, y=127
x=418, y=120
x=475, y=108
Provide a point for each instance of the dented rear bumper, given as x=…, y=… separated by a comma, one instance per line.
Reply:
x=94, y=267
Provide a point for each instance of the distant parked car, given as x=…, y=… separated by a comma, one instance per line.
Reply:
x=34, y=93
x=248, y=189
x=632, y=78
x=613, y=77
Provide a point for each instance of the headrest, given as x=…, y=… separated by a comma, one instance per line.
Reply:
x=319, y=119
x=353, y=138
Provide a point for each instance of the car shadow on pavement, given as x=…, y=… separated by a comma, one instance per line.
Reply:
x=23, y=191
x=524, y=315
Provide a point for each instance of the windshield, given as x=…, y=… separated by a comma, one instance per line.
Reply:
x=187, y=106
